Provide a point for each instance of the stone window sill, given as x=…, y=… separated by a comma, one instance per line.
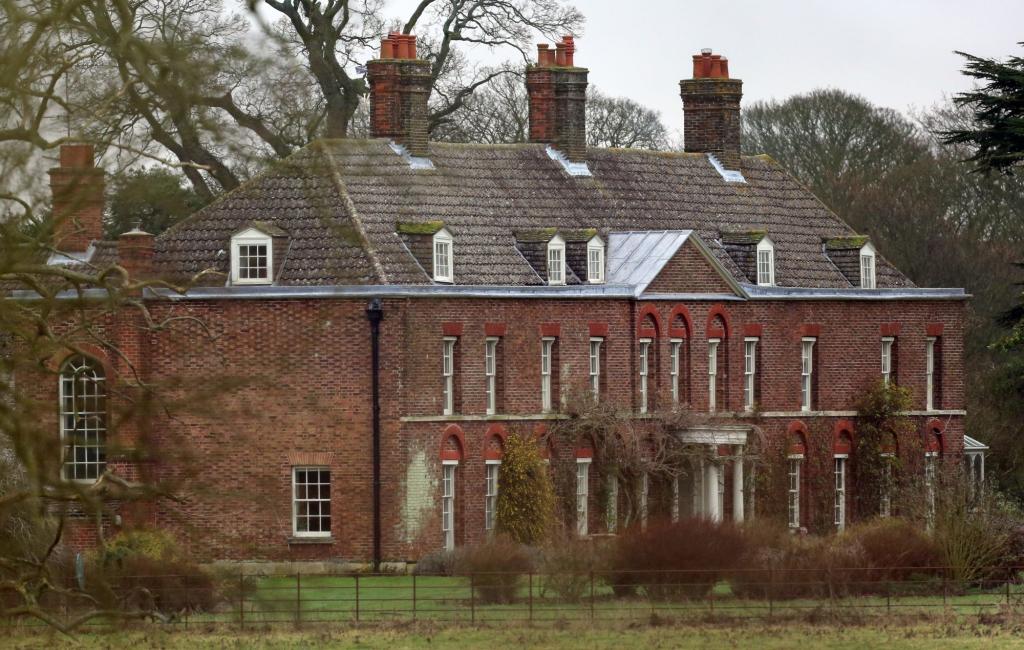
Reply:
x=310, y=540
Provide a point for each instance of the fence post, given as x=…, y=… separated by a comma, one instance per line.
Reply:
x=1009, y=575
x=414, y=596
x=531, y=596
x=591, y=595
x=298, y=598
x=888, y=596
x=187, y=603
x=241, y=598
x=711, y=598
x=357, y=598
x=945, y=586
x=771, y=594
x=472, y=598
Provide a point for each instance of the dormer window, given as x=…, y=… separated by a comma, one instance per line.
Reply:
x=556, y=260
x=252, y=257
x=595, y=260
x=443, y=262
x=867, y=267
x=766, y=263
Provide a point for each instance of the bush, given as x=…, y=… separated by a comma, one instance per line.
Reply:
x=893, y=549
x=780, y=564
x=439, y=563
x=495, y=569
x=669, y=560
x=525, y=506
x=567, y=566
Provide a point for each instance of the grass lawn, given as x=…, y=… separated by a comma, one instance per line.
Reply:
x=893, y=635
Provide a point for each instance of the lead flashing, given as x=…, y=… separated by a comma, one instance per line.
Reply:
x=572, y=168
x=415, y=162
x=729, y=175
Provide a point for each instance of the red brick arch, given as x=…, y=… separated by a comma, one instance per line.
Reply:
x=842, y=437
x=714, y=331
x=678, y=314
x=494, y=442
x=453, y=443
x=933, y=439
x=94, y=352
x=797, y=437
x=648, y=322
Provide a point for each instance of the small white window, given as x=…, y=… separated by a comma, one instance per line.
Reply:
x=443, y=260
x=491, y=493
x=582, y=495
x=676, y=348
x=712, y=375
x=766, y=263
x=448, y=503
x=595, y=367
x=556, y=260
x=252, y=257
x=887, y=359
x=806, y=371
x=885, y=501
x=840, y=492
x=595, y=260
x=547, y=346
x=795, y=465
x=749, y=370
x=448, y=374
x=867, y=267
x=491, y=374
x=929, y=392
x=311, y=502
x=645, y=355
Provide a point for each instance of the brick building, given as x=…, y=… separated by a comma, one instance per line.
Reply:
x=397, y=307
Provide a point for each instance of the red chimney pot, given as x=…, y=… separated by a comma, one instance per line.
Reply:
x=412, y=46
x=387, y=51
x=560, y=54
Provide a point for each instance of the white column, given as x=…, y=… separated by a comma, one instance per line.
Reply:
x=713, y=510
x=737, y=485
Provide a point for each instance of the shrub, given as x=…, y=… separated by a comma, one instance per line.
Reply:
x=526, y=499
x=495, y=569
x=567, y=566
x=439, y=563
x=669, y=560
x=893, y=549
x=779, y=563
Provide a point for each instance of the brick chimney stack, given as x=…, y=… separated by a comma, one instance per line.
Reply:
x=711, y=109
x=399, y=89
x=135, y=254
x=77, y=188
x=558, y=99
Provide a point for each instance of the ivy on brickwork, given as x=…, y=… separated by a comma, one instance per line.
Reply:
x=882, y=428
x=525, y=499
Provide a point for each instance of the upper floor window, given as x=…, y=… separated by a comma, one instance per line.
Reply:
x=929, y=390
x=556, y=260
x=867, y=267
x=712, y=374
x=749, y=372
x=443, y=261
x=491, y=374
x=547, y=346
x=766, y=263
x=595, y=367
x=83, y=419
x=595, y=260
x=806, y=373
x=252, y=257
x=448, y=374
x=676, y=349
x=645, y=357
x=887, y=345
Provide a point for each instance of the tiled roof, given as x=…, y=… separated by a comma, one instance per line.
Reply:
x=341, y=203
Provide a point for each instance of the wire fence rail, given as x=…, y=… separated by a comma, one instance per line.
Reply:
x=490, y=597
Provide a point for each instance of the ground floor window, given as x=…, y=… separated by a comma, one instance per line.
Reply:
x=795, y=465
x=311, y=494
x=582, y=495
x=491, y=493
x=448, y=504
x=840, y=492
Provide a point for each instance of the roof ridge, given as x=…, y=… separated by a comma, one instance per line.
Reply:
x=350, y=210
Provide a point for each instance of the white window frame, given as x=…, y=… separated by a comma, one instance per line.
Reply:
x=807, y=345
x=765, y=263
x=319, y=500
x=448, y=478
x=491, y=373
x=713, y=374
x=867, y=267
x=595, y=260
x=492, y=470
x=839, y=508
x=929, y=373
x=749, y=372
x=556, y=260
x=595, y=367
x=448, y=374
x=931, y=460
x=612, y=511
x=675, y=360
x=885, y=500
x=547, y=349
x=645, y=488
x=887, y=345
x=443, y=250
x=582, y=495
x=82, y=398
x=794, y=470
x=251, y=237
x=644, y=369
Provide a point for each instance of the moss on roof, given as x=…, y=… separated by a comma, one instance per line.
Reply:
x=845, y=243
x=747, y=237
x=419, y=228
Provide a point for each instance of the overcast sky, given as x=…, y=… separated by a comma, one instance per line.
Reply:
x=897, y=53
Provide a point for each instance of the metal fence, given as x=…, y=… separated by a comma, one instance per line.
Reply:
x=254, y=600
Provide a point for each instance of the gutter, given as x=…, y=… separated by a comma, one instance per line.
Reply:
x=375, y=314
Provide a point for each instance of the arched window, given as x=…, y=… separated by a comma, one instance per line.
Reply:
x=556, y=260
x=867, y=267
x=444, y=261
x=83, y=419
x=766, y=263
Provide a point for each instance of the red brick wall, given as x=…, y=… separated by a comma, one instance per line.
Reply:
x=689, y=271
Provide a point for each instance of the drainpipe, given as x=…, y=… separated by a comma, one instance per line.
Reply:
x=375, y=314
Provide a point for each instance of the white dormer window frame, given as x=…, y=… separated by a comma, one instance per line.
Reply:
x=595, y=260
x=556, y=260
x=765, y=263
x=867, y=266
x=443, y=247
x=252, y=257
